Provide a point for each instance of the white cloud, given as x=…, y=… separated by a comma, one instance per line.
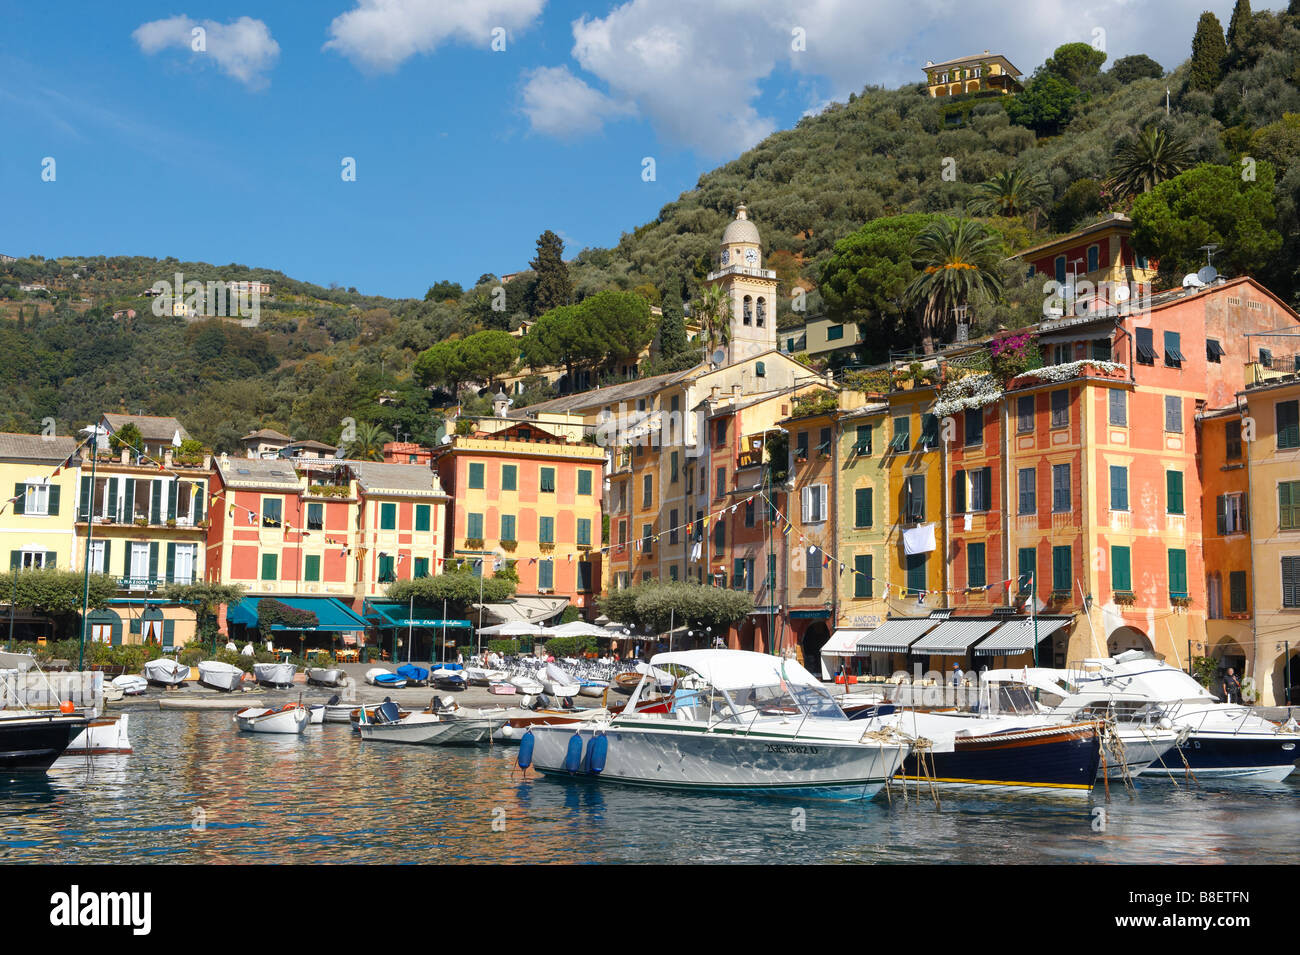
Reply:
x=383, y=34
x=696, y=70
x=242, y=48
x=559, y=104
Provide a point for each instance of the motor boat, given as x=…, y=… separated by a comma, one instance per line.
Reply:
x=131, y=684
x=33, y=740
x=733, y=721
x=316, y=713
x=482, y=676
x=325, y=676
x=525, y=683
x=165, y=672
x=220, y=676
x=593, y=688
x=450, y=676
x=557, y=682
x=413, y=675
x=378, y=676
x=102, y=736
x=274, y=674
x=1223, y=739
x=387, y=724
x=288, y=718
x=366, y=714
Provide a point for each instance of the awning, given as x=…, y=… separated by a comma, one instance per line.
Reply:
x=332, y=615
x=895, y=636
x=1017, y=636
x=386, y=616
x=843, y=643
x=954, y=636
x=765, y=611
x=525, y=609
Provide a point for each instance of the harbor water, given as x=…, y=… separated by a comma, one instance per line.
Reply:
x=197, y=791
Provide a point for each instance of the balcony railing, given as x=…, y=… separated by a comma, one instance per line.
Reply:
x=152, y=583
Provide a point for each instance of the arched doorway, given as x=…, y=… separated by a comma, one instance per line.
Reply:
x=811, y=643
x=151, y=626
x=1128, y=638
x=105, y=627
x=1228, y=653
x=1286, y=679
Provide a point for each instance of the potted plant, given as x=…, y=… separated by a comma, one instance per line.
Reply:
x=142, y=522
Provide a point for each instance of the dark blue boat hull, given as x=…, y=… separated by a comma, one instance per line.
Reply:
x=1062, y=758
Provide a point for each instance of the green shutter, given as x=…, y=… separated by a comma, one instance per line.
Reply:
x=20, y=498
x=584, y=482
x=959, y=492
x=1288, y=424
x=509, y=477
x=546, y=530
x=155, y=502
x=1174, y=491
x=1118, y=488
x=584, y=532
x=169, y=633
x=862, y=575
x=311, y=567
x=54, y=500
x=422, y=512
x=268, y=566
x=1288, y=505
x=1177, y=571
x=1121, y=572
x=175, y=491
x=153, y=560
x=107, y=546
x=197, y=510
x=50, y=558
x=547, y=480
x=862, y=507
x=116, y=633
x=916, y=573
x=128, y=500
x=83, y=511
x=171, y=562
x=476, y=474
x=1237, y=591
x=112, y=498
x=1220, y=514
x=976, y=574
x=15, y=559
x=474, y=527
x=1062, y=569
x=545, y=574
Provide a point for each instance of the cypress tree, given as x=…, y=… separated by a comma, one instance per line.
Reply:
x=1240, y=17
x=672, y=330
x=553, y=287
x=1209, y=49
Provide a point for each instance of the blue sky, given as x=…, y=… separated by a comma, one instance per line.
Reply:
x=464, y=154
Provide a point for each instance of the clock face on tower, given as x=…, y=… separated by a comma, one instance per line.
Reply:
x=751, y=256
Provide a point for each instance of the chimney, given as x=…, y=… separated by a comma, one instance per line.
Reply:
x=713, y=393
x=735, y=392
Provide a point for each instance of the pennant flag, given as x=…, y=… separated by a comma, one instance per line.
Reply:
x=252, y=518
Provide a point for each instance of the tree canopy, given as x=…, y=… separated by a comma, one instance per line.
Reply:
x=659, y=604
x=865, y=279
x=553, y=287
x=56, y=592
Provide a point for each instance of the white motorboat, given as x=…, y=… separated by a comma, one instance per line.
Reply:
x=594, y=688
x=734, y=721
x=220, y=676
x=378, y=676
x=482, y=676
x=100, y=737
x=558, y=682
x=274, y=674
x=165, y=672
x=325, y=676
x=317, y=711
x=525, y=684
x=290, y=718
x=131, y=685
x=427, y=729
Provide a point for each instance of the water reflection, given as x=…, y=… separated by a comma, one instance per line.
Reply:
x=196, y=790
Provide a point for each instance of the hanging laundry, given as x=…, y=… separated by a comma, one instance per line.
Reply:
x=918, y=540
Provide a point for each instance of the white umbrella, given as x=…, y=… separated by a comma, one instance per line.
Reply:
x=580, y=628
x=518, y=629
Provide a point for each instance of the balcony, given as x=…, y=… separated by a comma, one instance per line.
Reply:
x=151, y=583
x=146, y=524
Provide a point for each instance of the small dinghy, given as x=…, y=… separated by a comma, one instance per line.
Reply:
x=502, y=689
x=450, y=676
x=413, y=675
x=481, y=676
x=366, y=714
x=274, y=674
x=385, y=678
x=290, y=718
x=101, y=737
x=594, y=688
x=220, y=676
x=627, y=682
x=426, y=729
x=131, y=685
x=557, y=682
x=525, y=684
x=324, y=676
x=166, y=672
x=317, y=711
x=337, y=712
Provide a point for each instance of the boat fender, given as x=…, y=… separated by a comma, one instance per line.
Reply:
x=573, y=756
x=526, y=750
x=507, y=731
x=597, y=751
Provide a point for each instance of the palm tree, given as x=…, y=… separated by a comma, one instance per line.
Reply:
x=368, y=442
x=1153, y=157
x=713, y=311
x=1009, y=193
x=958, y=261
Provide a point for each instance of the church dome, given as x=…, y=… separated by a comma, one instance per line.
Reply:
x=741, y=229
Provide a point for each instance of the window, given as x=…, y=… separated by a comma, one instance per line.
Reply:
x=622, y=532
x=812, y=578
x=269, y=562
x=981, y=489
x=719, y=539
x=916, y=573
x=584, y=532
x=1101, y=350
x=751, y=513
x=975, y=572
x=1062, y=569
x=672, y=572
x=1027, y=491
x=974, y=426
x=508, y=527
x=1174, y=414
x=862, y=507
x=1237, y=602
x=546, y=530
x=1230, y=513
x=1232, y=440
x=690, y=480
x=546, y=574
x=720, y=433
x=1174, y=492
x=834, y=333
x=1060, y=269
x=1094, y=258
x=721, y=482
x=1145, y=346
x=1060, y=409
x=509, y=477
x=474, y=526
x=801, y=447
x=1026, y=568
x=584, y=482
x=738, y=574
x=760, y=371
x=929, y=432
x=1025, y=414
x=1177, y=572
x=1118, y=488
x=546, y=483
x=584, y=575
x=673, y=468
x=647, y=491
x=1266, y=358
x=771, y=576
x=35, y=499
x=1291, y=581
x=814, y=504
x=863, y=443
x=1288, y=505
x=422, y=517
x=1287, y=414
x=1062, y=354
x=387, y=568
x=959, y=492
x=476, y=470
x=914, y=499
x=824, y=442
x=1173, y=357
x=99, y=557
x=902, y=434
x=388, y=516
x=1060, y=488
x=1213, y=350
x=315, y=516
x=1121, y=571
x=647, y=539
x=862, y=575
x=272, y=512
x=672, y=526
x=1119, y=408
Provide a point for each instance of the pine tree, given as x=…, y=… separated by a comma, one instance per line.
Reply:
x=1240, y=17
x=553, y=287
x=1209, y=49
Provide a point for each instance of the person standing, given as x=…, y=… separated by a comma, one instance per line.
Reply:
x=1231, y=686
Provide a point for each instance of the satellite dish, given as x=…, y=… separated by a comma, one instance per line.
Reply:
x=1192, y=280
x=719, y=356
x=1207, y=274
x=1122, y=293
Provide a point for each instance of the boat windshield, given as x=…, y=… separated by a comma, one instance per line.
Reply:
x=784, y=700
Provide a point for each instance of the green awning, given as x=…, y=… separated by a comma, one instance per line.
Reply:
x=332, y=615
x=390, y=616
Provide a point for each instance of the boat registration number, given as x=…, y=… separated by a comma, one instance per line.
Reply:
x=788, y=748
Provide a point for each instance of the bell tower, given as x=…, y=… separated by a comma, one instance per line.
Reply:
x=751, y=288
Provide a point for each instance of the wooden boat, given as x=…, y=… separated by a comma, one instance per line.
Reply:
x=274, y=674
x=289, y=718
x=626, y=682
x=317, y=711
x=369, y=710
x=325, y=676
x=131, y=685
x=102, y=736
x=220, y=676
x=427, y=729
x=378, y=676
x=594, y=688
x=166, y=672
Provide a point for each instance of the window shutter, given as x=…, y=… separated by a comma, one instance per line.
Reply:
x=1220, y=514
x=20, y=498
x=169, y=633
x=155, y=502
x=862, y=507
x=111, y=510
x=1121, y=576
x=117, y=631
x=805, y=496
x=83, y=509
x=173, y=489
x=199, y=498
x=959, y=491
x=171, y=562
x=1174, y=491
x=107, y=546
x=1245, y=512
x=135, y=625
x=128, y=499
x=54, y=500
x=153, y=560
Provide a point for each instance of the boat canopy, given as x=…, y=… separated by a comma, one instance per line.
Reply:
x=738, y=669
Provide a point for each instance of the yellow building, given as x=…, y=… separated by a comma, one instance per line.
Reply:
x=915, y=474
x=865, y=509
x=972, y=74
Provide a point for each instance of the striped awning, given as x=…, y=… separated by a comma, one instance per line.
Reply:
x=1017, y=636
x=844, y=643
x=954, y=636
x=895, y=636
